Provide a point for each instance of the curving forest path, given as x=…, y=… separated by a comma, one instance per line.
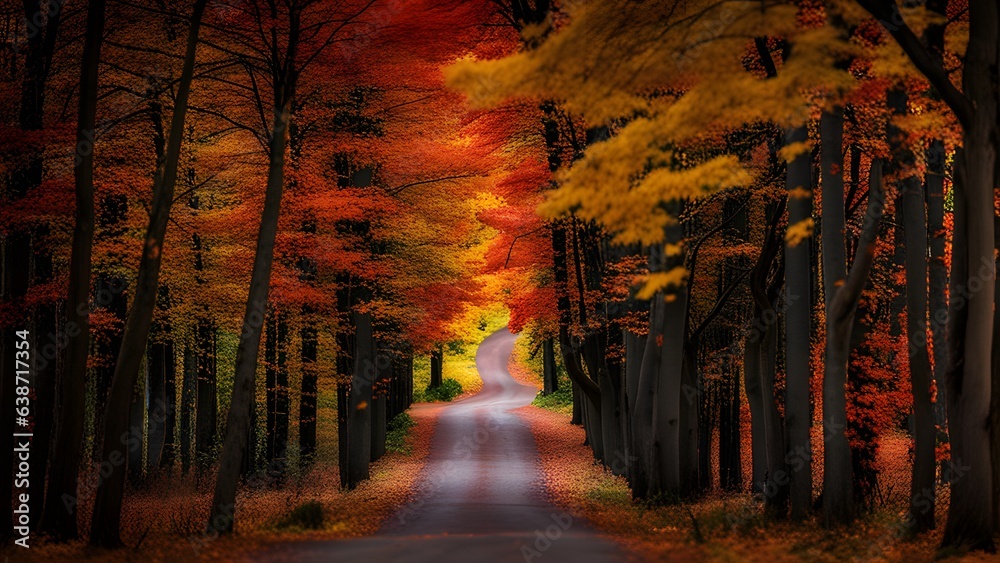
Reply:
x=480, y=496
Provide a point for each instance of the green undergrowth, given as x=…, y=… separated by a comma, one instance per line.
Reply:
x=396, y=432
x=448, y=390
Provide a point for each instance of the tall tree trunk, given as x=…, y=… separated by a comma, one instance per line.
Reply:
x=359, y=416
x=672, y=335
x=310, y=386
x=378, y=408
x=755, y=399
x=838, y=495
x=938, y=299
x=730, y=443
x=107, y=505
x=156, y=397
x=842, y=291
x=207, y=404
x=550, y=375
x=223, y=513
x=276, y=389
x=969, y=386
x=60, y=498
x=133, y=444
x=108, y=347
x=188, y=390
x=437, y=367
x=170, y=392
x=798, y=328
x=911, y=211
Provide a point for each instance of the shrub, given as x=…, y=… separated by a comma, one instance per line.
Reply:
x=396, y=432
x=448, y=390
x=306, y=516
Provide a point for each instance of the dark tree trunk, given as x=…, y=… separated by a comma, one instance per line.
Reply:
x=359, y=416
x=842, y=290
x=107, y=348
x=107, y=506
x=798, y=328
x=838, y=494
x=378, y=414
x=730, y=455
x=910, y=207
x=970, y=512
x=577, y=415
x=755, y=399
x=437, y=367
x=276, y=384
x=188, y=392
x=59, y=520
x=223, y=514
x=938, y=299
x=206, y=415
x=170, y=406
x=136, y=431
x=310, y=386
x=550, y=375
x=155, y=399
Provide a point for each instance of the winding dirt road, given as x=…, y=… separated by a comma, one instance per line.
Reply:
x=480, y=496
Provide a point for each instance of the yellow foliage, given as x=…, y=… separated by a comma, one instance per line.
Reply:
x=792, y=151
x=799, y=232
x=658, y=281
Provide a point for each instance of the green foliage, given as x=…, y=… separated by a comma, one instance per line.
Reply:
x=448, y=390
x=396, y=433
x=560, y=401
x=306, y=516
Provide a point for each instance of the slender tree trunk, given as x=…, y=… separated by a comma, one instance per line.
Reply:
x=755, y=398
x=842, y=290
x=798, y=321
x=437, y=367
x=108, y=347
x=378, y=408
x=667, y=410
x=59, y=519
x=550, y=375
x=310, y=386
x=156, y=397
x=207, y=404
x=938, y=299
x=170, y=392
x=188, y=390
x=360, y=412
x=911, y=211
x=107, y=505
x=223, y=513
x=133, y=444
x=730, y=444
x=276, y=389
x=838, y=495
